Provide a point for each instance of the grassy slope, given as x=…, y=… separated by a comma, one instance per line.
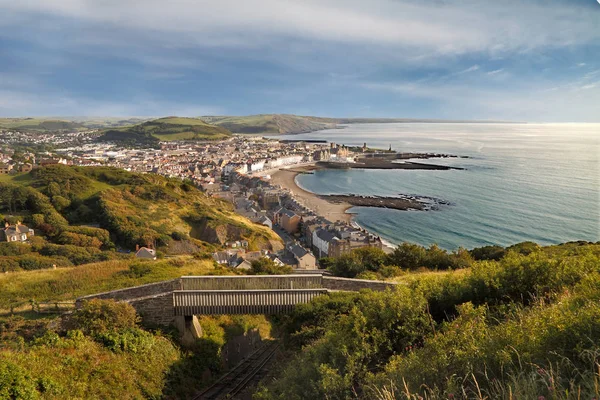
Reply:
x=73, y=282
x=170, y=128
x=39, y=124
x=271, y=123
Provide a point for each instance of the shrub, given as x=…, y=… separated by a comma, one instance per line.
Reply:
x=488, y=253
x=358, y=261
x=407, y=255
x=176, y=235
x=101, y=316
x=139, y=269
x=524, y=248
x=16, y=382
x=266, y=266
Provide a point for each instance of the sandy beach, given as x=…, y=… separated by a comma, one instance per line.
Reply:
x=332, y=211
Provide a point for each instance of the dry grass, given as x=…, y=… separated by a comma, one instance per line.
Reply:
x=73, y=282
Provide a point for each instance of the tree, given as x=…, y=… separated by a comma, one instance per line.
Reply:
x=407, y=255
x=99, y=316
x=488, y=253
x=60, y=203
x=53, y=189
x=358, y=261
x=266, y=266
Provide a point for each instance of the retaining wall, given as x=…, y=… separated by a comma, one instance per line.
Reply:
x=136, y=292
x=155, y=310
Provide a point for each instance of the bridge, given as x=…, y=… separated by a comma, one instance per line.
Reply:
x=179, y=301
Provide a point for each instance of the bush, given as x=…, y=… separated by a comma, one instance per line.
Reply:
x=139, y=269
x=488, y=253
x=524, y=248
x=16, y=382
x=176, y=235
x=408, y=256
x=100, y=316
x=266, y=266
x=358, y=261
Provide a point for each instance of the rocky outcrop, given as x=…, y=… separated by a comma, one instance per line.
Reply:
x=218, y=233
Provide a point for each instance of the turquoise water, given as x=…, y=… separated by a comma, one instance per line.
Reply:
x=536, y=182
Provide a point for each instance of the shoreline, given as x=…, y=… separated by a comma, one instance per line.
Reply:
x=286, y=178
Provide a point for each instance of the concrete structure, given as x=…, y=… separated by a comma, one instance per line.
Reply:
x=178, y=301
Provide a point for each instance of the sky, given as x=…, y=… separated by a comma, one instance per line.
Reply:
x=528, y=60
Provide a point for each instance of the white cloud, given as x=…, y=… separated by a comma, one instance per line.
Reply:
x=470, y=69
x=423, y=28
x=496, y=71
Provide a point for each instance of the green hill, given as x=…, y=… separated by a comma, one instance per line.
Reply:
x=81, y=215
x=166, y=129
x=292, y=124
x=40, y=124
x=271, y=123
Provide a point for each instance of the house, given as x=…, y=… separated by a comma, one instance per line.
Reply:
x=230, y=257
x=15, y=233
x=145, y=253
x=248, y=258
x=273, y=257
x=5, y=168
x=25, y=167
x=304, y=259
x=264, y=220
x=288, y=220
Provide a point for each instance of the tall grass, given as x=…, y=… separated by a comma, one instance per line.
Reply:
x=73, y=282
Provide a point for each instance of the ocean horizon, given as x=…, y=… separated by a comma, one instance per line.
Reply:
x=521, y=182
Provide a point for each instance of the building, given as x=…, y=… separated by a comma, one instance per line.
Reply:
x=15, y=233
x=337, y=240
x=264, y=220
x=146, y=253
x=288, y=220
x=25, y=167
x=303, y=258
x=5, y=168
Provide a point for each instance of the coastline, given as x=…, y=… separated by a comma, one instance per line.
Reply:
x=286, y=178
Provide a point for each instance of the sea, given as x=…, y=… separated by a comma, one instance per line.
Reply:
x=521, y=182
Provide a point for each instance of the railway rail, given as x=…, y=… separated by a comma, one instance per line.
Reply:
x=241, y=376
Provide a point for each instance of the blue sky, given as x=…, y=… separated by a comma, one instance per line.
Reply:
x=461, y=59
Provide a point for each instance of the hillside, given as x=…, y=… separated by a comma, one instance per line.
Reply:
x=271, y=123
x=166, y=129
x=82, y=215
x=40, y=124
x=519, y=323
x=511, y=323
x=293, y=124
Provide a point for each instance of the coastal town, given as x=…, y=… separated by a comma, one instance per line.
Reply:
x=255, y=174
